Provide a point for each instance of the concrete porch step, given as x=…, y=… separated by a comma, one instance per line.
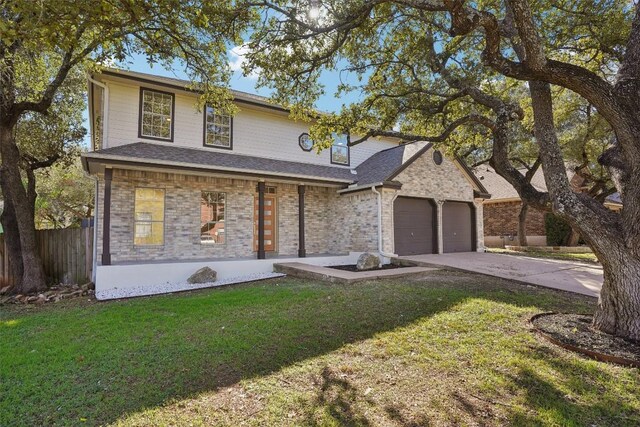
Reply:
x=326, y=274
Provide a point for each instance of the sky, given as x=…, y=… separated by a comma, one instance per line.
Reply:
x=330, y=79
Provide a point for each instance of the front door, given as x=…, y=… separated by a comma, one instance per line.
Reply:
x=270, y=218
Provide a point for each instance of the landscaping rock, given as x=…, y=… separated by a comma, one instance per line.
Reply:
x=204, y=275
x=4, y=290
x=367, y=261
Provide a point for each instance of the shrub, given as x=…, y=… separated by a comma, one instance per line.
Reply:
x=557, y=230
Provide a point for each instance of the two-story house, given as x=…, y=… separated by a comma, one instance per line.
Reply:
x=179, y=188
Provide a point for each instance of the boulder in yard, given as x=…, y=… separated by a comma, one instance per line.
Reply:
x=367, y=261
x=204, y=275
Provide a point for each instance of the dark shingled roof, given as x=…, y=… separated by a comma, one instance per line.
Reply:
x=382, y=167
x=379, y=167
x=142, y=152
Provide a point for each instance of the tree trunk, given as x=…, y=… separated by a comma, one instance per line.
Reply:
x=618, y=310
x=33, y=277
x=573, y=238
x=522, y=224
x=12, y=241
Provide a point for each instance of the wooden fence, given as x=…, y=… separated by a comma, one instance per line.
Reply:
x=67, y=255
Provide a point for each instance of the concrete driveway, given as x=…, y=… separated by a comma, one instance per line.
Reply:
x=569, y=276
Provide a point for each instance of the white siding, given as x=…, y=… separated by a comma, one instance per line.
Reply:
x=255, y=132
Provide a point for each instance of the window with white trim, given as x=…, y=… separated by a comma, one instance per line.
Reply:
x=217, y=129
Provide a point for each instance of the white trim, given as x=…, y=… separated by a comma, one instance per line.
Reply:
x=105, y=110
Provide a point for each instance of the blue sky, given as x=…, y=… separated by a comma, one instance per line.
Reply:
x=330, y=79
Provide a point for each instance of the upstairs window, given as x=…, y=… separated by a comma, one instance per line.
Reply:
x=217, y=129
x=212, y=207
x=156, y=114
x=149, y=216
x=340, y=149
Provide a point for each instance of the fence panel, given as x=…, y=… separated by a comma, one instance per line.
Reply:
x=67, y=255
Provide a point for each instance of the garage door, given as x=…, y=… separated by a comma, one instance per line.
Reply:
x=457, y=227
x=413, y=224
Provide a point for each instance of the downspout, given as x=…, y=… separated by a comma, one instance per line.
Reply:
x=96, y=206
x=105, y=115
x=381, y=253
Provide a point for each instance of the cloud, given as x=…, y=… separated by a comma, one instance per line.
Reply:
x=237, y=59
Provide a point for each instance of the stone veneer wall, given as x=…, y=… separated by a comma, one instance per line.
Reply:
x=354, y=222
x=324, y=228
x=423, y=178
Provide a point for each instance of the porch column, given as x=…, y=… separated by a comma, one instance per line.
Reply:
x=261, y=253
x=439, y=235
x=106, y=218
x=302, y=252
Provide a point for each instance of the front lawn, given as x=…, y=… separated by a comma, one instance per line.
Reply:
x=447, y=349
x=565, y=256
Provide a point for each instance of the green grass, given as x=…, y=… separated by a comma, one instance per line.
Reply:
x=450, y=348
x=567, y=256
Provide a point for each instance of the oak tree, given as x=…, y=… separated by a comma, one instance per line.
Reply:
x=427, y=68
x=42, y=42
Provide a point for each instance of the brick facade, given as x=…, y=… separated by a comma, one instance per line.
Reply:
x=423, y=178
x=334, y=223
x=501, y=219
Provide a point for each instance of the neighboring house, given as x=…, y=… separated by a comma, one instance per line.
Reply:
x=179, y=188
x=502, y=210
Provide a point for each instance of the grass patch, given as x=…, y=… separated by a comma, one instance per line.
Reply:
x=566, y=256
x=448, y=348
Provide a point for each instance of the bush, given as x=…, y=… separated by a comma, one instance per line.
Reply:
x=557, y=230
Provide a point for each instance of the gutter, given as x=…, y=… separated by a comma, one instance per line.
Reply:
x=380, y=251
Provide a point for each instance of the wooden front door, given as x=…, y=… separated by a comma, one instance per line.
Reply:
x=270, y=219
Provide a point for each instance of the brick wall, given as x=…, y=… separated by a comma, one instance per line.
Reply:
x=333, y=224
x=501, y=219
x=423, y=178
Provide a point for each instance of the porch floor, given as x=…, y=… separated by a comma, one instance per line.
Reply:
x=308, y=271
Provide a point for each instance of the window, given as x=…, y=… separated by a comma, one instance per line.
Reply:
x=156, y=115
x=217, y=129
x=149, y=216
x=305, y=142
x=437, y=157
x=340, y=149
x=212, y=207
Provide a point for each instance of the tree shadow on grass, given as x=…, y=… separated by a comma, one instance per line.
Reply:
x=102, y=362
x=563, y=400
x=335, y=402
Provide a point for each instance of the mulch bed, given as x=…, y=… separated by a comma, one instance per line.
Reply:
x=353, y=267
x=574, y=332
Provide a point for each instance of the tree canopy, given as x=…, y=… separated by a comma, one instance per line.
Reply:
x=486, y=76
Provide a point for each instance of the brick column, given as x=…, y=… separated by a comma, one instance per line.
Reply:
x=439, y=204
x=479, y=225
